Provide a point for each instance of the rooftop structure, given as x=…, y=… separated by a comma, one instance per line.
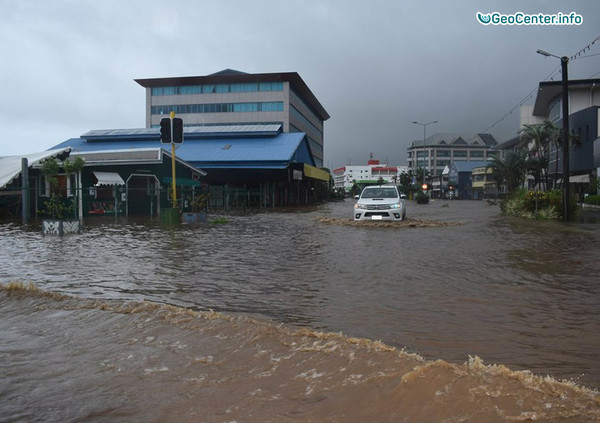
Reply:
x=444, y=149
x=231, y=97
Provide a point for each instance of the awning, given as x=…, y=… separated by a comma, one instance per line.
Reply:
x=576, y=179
x=579, y=179
x=10, y=166
x=108, y=178
x=315, y=173
x=182, y=182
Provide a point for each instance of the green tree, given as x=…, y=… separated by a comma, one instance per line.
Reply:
x=405, y=181
x=421, y=175
x=510, y=171
x=57, y=207
x=537, y=167
x=537, y=139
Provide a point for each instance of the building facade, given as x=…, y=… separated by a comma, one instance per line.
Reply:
x=441, y=150
x=231, y=97
x=462, y=178
x=584, y=118
x=348, y=176
x=483, y=183
x=242, y=166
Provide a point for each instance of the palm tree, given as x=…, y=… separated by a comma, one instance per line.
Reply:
x=537, y=138
x=509, y=171
x=536, y=167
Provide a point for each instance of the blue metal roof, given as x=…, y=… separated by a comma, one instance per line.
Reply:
x=243, y=152
x=468, y=166
x=190, y=132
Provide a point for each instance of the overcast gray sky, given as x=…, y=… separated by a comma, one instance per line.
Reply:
x=68, y=67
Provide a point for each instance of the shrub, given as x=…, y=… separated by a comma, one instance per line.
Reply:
x=593, y=199
x=548, y=213
x=421, y=198
x=523, y=204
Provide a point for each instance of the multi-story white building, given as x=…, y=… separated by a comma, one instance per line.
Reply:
x=345, y=177
x=441, y=150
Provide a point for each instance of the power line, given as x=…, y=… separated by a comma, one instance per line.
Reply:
x=527, y=97
x=583, y=50
x=551, y=76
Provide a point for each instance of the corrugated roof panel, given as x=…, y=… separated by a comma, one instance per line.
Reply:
x=261, y=129
x=120, y=156
x=280, y=148
x=10, y=166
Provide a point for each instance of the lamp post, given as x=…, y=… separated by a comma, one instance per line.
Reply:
x=564, y=61
x=424, y=125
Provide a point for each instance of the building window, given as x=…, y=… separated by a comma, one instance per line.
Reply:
x=244, y=88
x=218, y=88
x=476, y=154
x=555, y=112
x=460, y=153
x=190, y=89
x=269, y=106
x=443, y=153
x=222, y=88
x=63, y=186
x=270, y=86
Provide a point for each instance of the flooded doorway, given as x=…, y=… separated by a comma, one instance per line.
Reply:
x=143, y=197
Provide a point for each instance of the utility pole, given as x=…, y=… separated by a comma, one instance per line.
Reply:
x=564, y=61
x=424, y=137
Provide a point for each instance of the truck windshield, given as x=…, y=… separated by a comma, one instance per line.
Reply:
x=379, y=193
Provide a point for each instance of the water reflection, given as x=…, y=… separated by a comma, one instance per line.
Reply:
x=525, y=294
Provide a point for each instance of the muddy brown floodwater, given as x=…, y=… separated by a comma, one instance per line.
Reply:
x=314, y=319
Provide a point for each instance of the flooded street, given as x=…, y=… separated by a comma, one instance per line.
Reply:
x=518, y=293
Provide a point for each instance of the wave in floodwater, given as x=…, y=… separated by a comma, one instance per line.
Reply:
x=455, y=286
x=72, y=359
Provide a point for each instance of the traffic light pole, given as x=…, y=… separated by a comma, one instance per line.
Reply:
x=174, y=186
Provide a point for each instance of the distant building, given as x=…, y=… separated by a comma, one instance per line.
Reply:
x=347, y=176
x=483, y=183
x=441, y=150
x=460, y=178
x=231, y=97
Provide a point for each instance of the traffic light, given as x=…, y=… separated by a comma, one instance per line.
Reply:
x=165, y=130
x=177, y=130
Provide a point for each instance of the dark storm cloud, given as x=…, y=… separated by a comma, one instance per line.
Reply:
x=68, y=67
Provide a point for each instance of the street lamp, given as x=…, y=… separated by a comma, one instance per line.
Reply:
x=424, y=125
x=565, y=130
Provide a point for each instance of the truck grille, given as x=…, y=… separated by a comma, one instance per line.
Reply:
x=378, y=207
